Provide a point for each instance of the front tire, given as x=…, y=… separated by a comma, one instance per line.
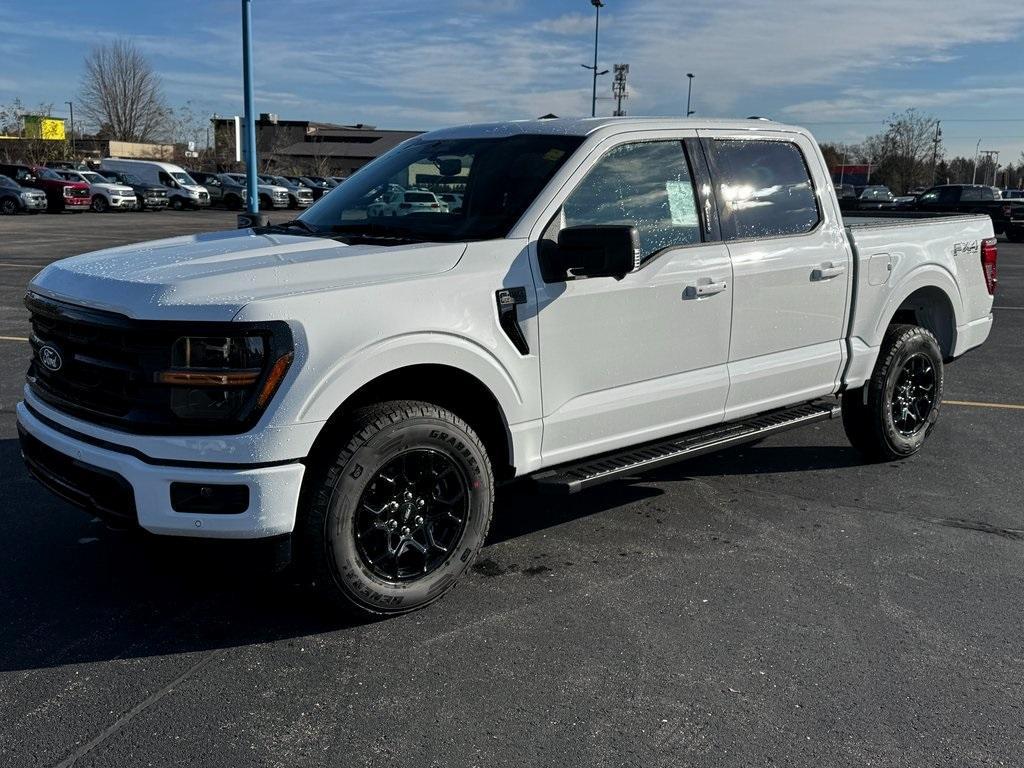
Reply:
x=177, y=203
x=9, y=206
x=400, y=511
x=99, y=204
x=892, y=415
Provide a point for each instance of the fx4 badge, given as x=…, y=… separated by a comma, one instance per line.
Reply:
x=50, y=358
x=969, y=248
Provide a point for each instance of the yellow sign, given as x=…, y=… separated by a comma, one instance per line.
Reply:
x=46, y=128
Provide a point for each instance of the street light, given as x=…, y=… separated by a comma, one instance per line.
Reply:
x=689, y=93
x=71, y=109
x=598, y=5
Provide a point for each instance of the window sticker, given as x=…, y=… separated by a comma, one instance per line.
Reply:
x=681, y=203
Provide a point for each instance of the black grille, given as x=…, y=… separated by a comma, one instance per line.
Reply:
x=100, y=491
x=102, y=366
x=76, y=192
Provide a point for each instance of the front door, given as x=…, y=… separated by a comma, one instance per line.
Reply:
x=630, y=360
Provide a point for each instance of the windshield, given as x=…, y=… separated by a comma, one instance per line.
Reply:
x=46, y=173
x=497, y=177
x=94, y=178
x=129, y=178
x=183, y=178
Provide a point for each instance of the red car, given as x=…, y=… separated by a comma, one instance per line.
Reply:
x=61, y=194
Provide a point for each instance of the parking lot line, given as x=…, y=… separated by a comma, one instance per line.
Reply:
x=998, y=307
x=20, y=266
x=12, y=338
x=972, y=404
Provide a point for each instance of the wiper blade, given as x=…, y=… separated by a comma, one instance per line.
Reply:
x=375, y=231
x=293, y=224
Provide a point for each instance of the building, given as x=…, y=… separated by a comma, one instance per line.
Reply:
x=304, y=146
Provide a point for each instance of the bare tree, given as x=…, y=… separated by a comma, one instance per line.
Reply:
x=121, y=94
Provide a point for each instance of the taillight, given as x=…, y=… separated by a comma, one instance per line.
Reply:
x=989, y=254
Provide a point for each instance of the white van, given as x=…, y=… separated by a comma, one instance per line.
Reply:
x=182, y=190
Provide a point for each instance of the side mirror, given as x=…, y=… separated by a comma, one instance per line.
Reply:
x=605, y=250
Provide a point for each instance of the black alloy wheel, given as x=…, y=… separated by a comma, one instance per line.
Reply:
x=412, y=515
x=913, y=395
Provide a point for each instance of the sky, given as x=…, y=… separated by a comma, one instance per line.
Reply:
x=836, y=66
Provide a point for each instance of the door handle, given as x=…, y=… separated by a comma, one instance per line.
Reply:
x=827, y=272
x=704, y=289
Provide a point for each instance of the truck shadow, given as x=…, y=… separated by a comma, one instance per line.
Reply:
x=75, y=592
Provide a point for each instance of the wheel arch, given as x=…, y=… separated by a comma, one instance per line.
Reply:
x=931, y=299
x=442, y=384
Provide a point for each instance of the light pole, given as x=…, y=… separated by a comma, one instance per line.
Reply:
x=598, y=5
x=689, y=93
x=252, y=216
x=71, y=111
x=977, y=151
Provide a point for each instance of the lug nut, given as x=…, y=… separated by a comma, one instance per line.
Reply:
x=405, y=530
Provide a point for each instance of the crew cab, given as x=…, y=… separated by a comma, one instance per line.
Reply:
x=613, y=295
x=299, y=195
x=61, y=194
x=1007, y=215
x=403, y=202
x=225, y=189
x=270, y=195
x=106, y=194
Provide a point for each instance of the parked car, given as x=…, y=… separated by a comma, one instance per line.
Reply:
x=299, y=195
x=106, y=195
x=870, y=198
x=403, y=202
x=15, y=198
x=224, y=189
x=318, y=185
x=337, y=180
x=452, y=200
x=271, y=195
x=1013, y=194
x=1007, y=215
x=183, y=191
x=149, y=197
x=61, y=194
x=358, y=386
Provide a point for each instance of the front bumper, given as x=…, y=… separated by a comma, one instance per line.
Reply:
x=128, y=203
x=155, y=202
x=77, y=202
x=89, y=476
x=34, y=203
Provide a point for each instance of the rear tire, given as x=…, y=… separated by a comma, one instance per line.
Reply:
x=414, y=480
x=892, y=415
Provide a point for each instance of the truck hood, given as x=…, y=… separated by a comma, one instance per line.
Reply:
x=123, y=188
x=210, y=277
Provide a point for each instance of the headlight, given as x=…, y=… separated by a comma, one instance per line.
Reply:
x=223, y=377
x=26, y=195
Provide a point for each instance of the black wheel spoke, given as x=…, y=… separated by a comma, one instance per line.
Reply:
x=913, y=396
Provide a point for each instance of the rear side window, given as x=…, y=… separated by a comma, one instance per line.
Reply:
x=647, y=185
x=764, y=189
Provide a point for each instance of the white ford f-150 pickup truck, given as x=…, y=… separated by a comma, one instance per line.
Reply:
x=612, y=295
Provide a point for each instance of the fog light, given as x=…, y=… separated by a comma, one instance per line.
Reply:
x=209, y=499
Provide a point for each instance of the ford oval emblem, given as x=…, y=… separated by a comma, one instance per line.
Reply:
x=50, y=358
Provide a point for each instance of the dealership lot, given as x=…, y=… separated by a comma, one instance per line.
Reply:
x=779, y=604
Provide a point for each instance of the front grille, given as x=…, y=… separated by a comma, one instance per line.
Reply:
x=103, y=366
x=73, y=192
x=100, y=491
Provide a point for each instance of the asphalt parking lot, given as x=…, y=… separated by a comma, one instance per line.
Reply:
x=782, y=605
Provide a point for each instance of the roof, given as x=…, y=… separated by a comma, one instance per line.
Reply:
x=584, y=126
x=383, y=142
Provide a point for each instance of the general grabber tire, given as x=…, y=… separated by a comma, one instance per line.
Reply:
x=396, y=515
x=893, y=414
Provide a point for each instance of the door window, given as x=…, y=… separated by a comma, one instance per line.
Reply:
x=647, y=185
x=764, y=188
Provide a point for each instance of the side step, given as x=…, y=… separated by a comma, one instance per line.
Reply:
x=571, y=478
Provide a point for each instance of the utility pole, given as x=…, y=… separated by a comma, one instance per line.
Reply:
x=935, y=151
x=71, y=111
x=619, y=91
x=977, y=151
x=598, y=5
x=689, y=93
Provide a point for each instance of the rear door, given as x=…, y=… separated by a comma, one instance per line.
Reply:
x=791, y=270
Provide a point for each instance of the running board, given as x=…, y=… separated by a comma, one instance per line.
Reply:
x=571, y=478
